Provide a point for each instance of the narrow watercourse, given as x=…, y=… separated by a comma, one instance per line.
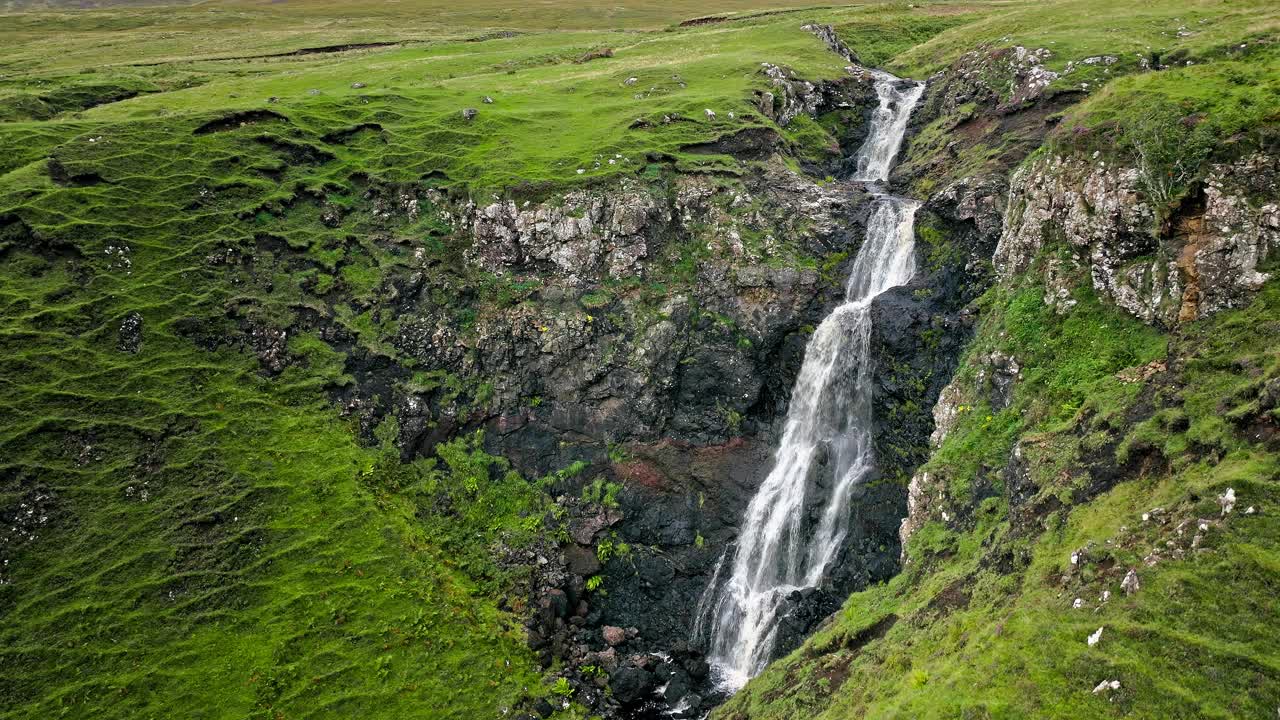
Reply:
x=784, y=547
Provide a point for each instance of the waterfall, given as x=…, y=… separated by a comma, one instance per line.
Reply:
x=825, y=449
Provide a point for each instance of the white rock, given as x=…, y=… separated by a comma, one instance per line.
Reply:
x=1130, y=584
x=1107, y=685
x=1079, y=603
x=1227, y=500
x=1094, y=638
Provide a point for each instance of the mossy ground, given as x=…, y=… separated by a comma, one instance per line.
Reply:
x=212, y=540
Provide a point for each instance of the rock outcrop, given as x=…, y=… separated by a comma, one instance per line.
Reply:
x=1094, y=219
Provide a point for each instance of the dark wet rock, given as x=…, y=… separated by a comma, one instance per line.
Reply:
x=698, y=668
x=583, y=529
x=469, y=114
x=631, y=684
x=654, y=571
x=556, y=602
x=674, y=681
x=607, y=659
x=690, y=707
x=803, y=610
x=130, y=334
x=581, y=560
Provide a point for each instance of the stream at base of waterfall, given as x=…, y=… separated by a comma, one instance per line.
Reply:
x=783, y=545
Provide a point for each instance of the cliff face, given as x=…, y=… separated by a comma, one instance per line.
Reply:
x=643, y=335
x=1204, y=258
x=1075, y=222
x=431, y=378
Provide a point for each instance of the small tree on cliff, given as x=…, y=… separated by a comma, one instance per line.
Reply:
x=1169, y=148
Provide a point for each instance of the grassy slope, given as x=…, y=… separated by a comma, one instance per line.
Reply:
x=980, y=624
x=550, y=116
x=1077, y=29
x=216, y=542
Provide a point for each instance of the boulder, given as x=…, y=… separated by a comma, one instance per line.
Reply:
x=630, y=685
x=556, y=602
x=581, y=560
x=614, y=636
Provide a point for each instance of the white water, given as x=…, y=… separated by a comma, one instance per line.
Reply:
x=791, y=532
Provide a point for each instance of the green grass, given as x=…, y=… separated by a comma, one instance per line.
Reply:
x=218, y=541
x=1076, y=29
x=1214, y=97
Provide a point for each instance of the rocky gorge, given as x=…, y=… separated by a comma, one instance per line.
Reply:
x=673, y=402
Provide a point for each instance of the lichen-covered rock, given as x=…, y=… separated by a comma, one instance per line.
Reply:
x=1095, y=217
x=793, y=96
x=585, y=235
x=979, y=201
x=607, y=364
x=1004, y=79
x=917, y=509
x=827, y=34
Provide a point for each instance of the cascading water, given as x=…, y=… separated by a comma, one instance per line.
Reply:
x=782, y=547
